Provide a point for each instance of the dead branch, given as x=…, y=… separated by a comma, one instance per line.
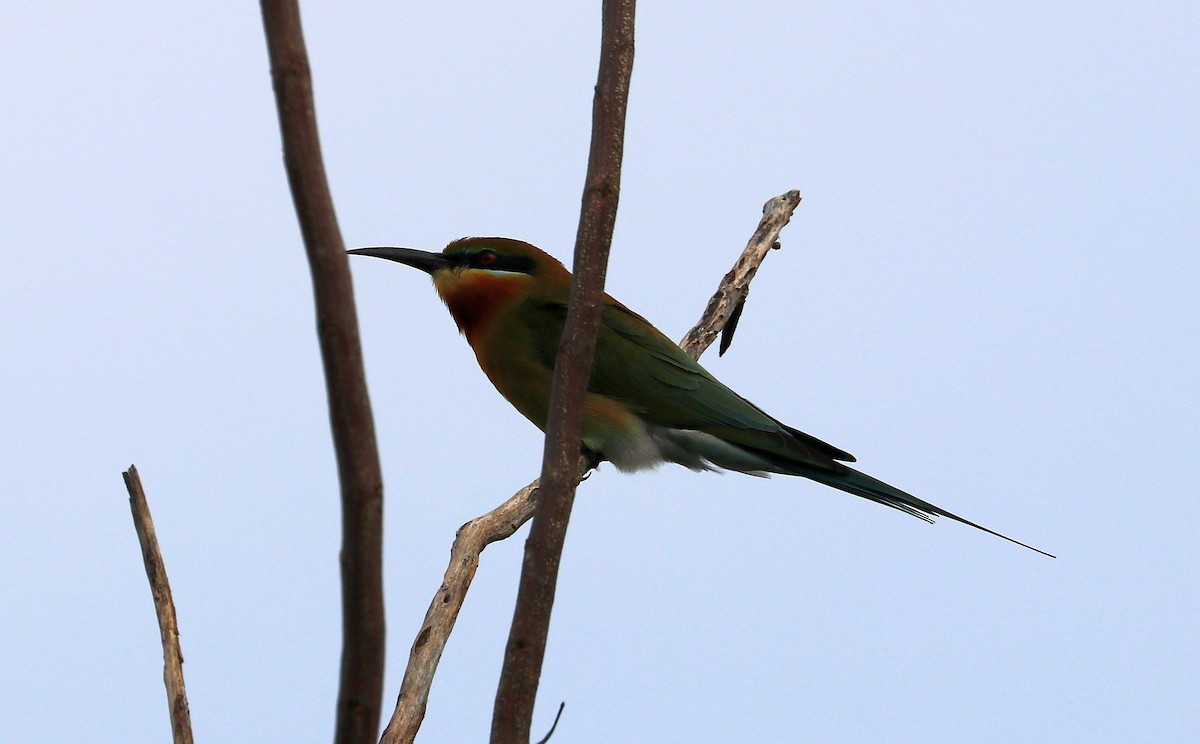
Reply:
x=164, y=607
x=426, y=651
x=725, y=307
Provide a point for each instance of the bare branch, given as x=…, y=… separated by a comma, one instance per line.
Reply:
x=526, y=647
x=503, y=521
x=361, y=679
x=164, y=607
x=426, y=651
x=726, y=305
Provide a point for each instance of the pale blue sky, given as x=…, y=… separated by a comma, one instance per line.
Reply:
x=989, y=295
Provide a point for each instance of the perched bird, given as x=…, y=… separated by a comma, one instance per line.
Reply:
x=648, y=402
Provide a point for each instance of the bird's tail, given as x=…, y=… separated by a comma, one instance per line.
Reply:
x=861, y=484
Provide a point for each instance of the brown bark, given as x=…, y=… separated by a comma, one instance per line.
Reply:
x=360, y=688
x=526, y=647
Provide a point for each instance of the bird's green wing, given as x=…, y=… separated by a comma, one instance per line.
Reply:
x=638, y=365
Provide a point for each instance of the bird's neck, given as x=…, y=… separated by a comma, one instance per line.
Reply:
x=476, y=299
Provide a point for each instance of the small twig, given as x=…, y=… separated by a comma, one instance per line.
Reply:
x=731, y=327
x=360, y=684
x=164, y=607
x=554, y=725
x=506, y=519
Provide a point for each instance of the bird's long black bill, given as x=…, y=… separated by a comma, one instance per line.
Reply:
x=423, y=260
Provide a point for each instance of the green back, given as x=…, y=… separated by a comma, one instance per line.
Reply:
x=639, y=366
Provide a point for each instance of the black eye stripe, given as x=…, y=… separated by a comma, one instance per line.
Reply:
x=493, y=261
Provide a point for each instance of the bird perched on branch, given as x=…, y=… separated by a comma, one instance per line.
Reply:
x=648, y=402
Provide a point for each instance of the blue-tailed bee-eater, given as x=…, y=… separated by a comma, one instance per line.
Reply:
x=647, y=402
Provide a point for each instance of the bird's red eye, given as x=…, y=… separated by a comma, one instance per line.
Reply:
x=486, y=258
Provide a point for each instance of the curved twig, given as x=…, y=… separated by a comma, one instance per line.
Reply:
x=554, y=725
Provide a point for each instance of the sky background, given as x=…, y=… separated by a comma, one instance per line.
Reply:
x=990, y=294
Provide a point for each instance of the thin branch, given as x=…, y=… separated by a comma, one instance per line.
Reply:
x=164, y=607
x=361, y=679
x=526, y=647
x=726, y=305
x=426, y=651
x=503, y=521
